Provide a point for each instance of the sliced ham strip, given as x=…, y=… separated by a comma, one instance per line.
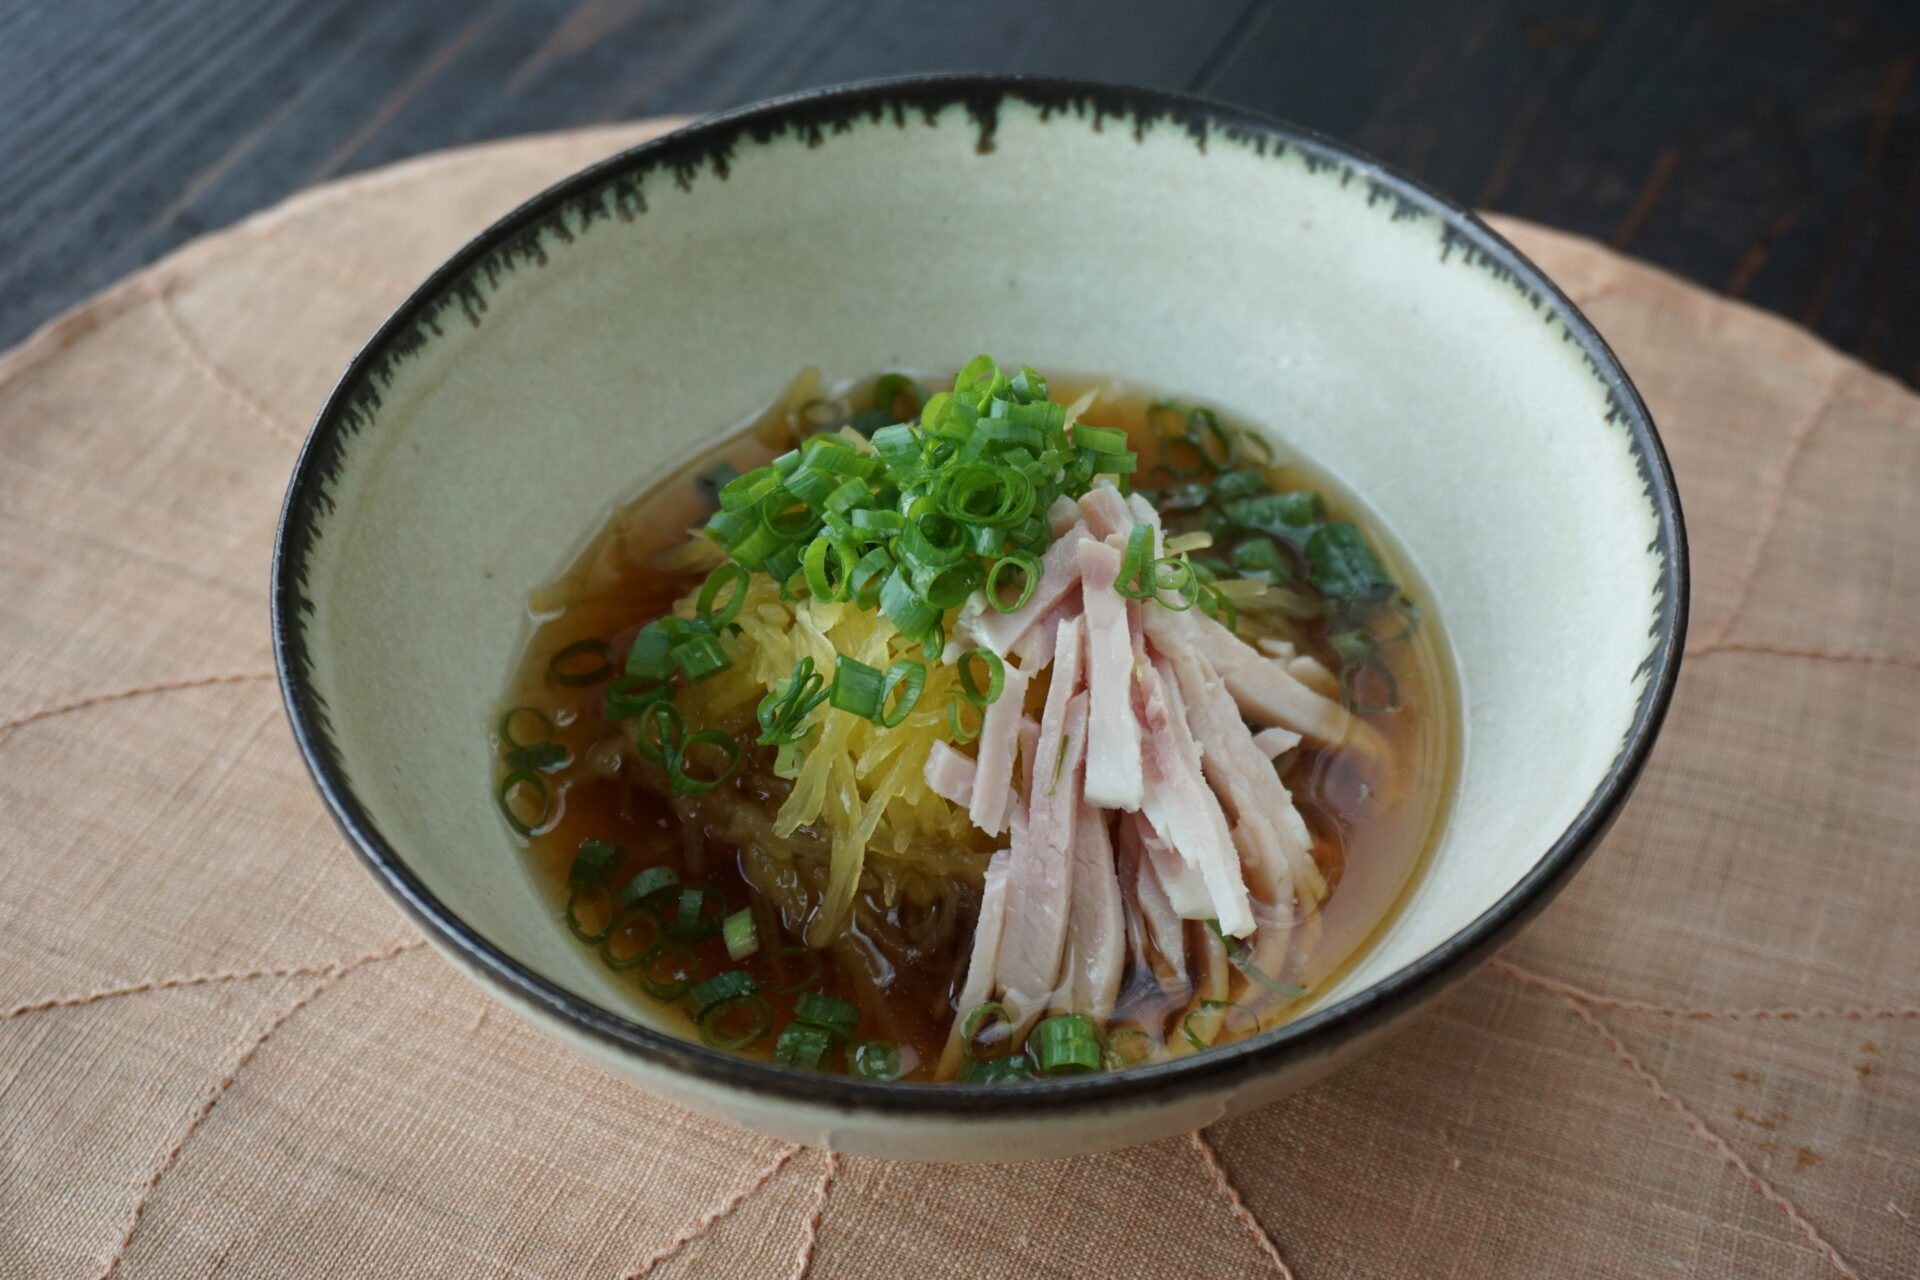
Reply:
x=977, y=989
x=1096, y=924
x=1062, y=515
x=1160, y=923
x=1276, y=742
x=1106, y=512
x=992, y=785
x=1039, y=881
x=1266, y=694
x=1311, y=672
x=1184, y=810
x=1113, y=748
x=1059, y=574
x=951, y=775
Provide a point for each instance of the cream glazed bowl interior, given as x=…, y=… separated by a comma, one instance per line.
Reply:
x=609, y=328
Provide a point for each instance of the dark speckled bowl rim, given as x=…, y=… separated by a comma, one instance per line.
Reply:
x=813, y=115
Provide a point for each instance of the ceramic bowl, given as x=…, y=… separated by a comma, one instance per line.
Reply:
x=610, y=327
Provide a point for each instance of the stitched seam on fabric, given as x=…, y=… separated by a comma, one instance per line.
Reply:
x=203, y=979
x=1776, y=501
x=701, y=1225
x=212, y=372
x=1226, y=1188
x=1720, y=1145
x=219, y=1091
x=344, y=271
x=810, y=1226
x=95, y=699
x=1781, y=1013
x=1788, y=651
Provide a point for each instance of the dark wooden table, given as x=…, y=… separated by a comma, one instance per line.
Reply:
x=1766, y=148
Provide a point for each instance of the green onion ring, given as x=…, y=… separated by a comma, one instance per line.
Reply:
x=562, y=670
x=579, y=930
x=910, y=678
x=820, y=584
x=506, y=728
x=683, y=783
x=996, y=677
x=875, y=1060
x=1203, y=426
x=633, y=958
x=524, y=778
x=669, y=727
x=1029, y=568
x=1118, y=1059
x=682, y=977
x=1207, y=1006
x=628, y=696
x=710, y=1022
x=1353, y=700
x=971, y=1029
x=961, y=733
x=704, y=604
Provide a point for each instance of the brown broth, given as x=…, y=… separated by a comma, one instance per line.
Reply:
x=904, y=951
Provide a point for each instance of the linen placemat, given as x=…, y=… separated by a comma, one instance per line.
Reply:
x=223, y=1054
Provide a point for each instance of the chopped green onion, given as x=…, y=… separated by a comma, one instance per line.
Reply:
x=1343, y=566
x=715, y=1021
x=596, y=895
x=890, y=388
x=1350, y=675
x=1240, y=953
x=542, y=723
x=1065, y=1044
x=1215, y=443
x=957, y=727
x=738, y=932
x=802, y=1046
x=823, y=553
x=1099, y=439
x=707, y=606
x=1029, y=570
x=692, y=920
x=819, y=1010
x=857, y=687
x=648, y=883
x=1218, y=606
x=726, y=986
x=908, y=678
x=510, y=786
x=970, y=1031
x=1294, y=514
x=1001, y=1070
x=651, y=657
x=875, y=1059
x=636, y=951
x=784, y=710
x=669, y=970
x=1129, y=1048
x=767, y=963
x=1261, y=558
x=581, y=663
x=701, y=657
x=682, y=783
x=1242, y=482
x=996, y=677
x=546, y=757
x=1208, y=1006
x=593, y=862
x=666, y=725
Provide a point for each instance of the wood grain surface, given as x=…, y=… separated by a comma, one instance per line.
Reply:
x=1769, y=149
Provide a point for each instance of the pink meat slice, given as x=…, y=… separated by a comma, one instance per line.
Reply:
x=1059, y=574
x=1264, y=691
x=1096, y=925
x=1183, y=810
x=1113, y=748
x=950, y=775
x=1159, y=921
x=991, y=793
x=1106, y=512
x=1040, y=880
x=977, y=988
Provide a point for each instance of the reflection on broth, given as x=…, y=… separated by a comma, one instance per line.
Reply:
x=1013, y=731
